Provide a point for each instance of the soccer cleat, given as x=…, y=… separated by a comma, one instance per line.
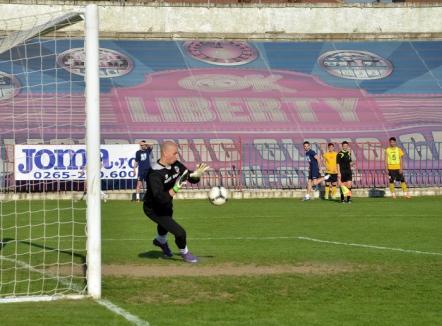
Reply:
x=407, y=195
x=189, y=258
x=393, y=195
x=164, y=247
x=306, y=197
x=326, y=197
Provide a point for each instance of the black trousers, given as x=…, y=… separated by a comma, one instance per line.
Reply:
x=167, y=224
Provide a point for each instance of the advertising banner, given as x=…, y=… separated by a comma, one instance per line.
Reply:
x=68, y=162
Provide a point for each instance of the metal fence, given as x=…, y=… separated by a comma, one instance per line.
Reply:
x=279, y=165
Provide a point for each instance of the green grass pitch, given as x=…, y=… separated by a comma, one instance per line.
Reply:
x=256, y=269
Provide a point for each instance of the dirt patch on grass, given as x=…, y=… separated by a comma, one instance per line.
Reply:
x=180, y=297
x=64, y=270
x=226, y=269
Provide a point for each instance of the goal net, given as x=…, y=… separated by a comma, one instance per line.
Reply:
x=43, y=224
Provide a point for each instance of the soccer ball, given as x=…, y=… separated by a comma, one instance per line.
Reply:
x=218, y=195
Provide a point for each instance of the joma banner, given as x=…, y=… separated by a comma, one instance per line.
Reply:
x=68, y=162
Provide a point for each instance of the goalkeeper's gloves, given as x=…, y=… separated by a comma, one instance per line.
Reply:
x=199, y=171
x=181, y=181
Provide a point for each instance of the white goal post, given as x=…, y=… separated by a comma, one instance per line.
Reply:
x=49, y=248
x=93, y=153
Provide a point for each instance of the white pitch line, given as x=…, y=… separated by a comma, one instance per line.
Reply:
x=210, y=239
x=361, y=245
x=230, y=217
x=105, y=303
x=123, y=313
x=371, y=246
x=294, y=216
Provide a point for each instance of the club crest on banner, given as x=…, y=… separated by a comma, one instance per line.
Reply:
x=112, y=63
x=359, y=65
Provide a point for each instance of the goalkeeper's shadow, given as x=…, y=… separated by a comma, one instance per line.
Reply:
x=155, y=254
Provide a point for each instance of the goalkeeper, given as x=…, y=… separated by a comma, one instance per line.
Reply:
x=163, y=181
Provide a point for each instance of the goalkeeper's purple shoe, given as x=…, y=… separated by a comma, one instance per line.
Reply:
x=189, y=258
x=164, y=247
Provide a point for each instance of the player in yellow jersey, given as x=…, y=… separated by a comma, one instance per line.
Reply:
x=331, y=168
x=394, y=166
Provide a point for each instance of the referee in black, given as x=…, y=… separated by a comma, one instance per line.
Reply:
x=345, y=175
x=163, y=181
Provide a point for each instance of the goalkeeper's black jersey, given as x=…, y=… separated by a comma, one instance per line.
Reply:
x=159, y=180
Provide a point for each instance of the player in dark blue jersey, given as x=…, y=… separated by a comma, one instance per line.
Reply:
x=314, y=170
x=143, y=161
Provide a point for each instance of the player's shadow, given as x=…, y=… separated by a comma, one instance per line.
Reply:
x=376, y=193
x=154, y=254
